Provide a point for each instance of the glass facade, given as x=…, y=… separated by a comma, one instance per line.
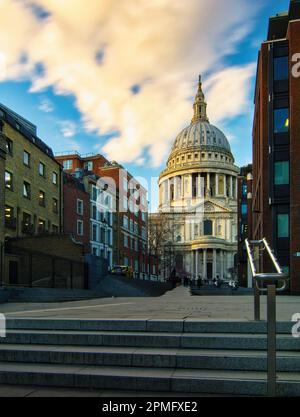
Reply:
x=281, y=68
x=281, y=120
x=283, y=229
x=282, y=173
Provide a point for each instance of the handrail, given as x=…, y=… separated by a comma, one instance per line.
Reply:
x=266, y=277
x=260, y=278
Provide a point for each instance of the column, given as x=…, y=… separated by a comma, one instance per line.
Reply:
x=168, y=191
x=228, y=260
x=231, y=186
x=176, y=188
x=182, y=185
x=197, y=264
x=222, y=265
x=208, y=185
x=217, y=184
x=165, y=191
x=236, y=189
x=199, y=191
x=214, y=263
x=205, y=264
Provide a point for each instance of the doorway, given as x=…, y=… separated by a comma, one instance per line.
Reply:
x=209, y=270
x=13, y=270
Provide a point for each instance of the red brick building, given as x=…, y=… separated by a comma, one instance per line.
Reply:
x=276, y=142
x=130, y=227
x=76, y=210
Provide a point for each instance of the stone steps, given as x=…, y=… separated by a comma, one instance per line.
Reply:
x=152, y=358
x=149, y=339
x=151, y=325
x=184, y=356
x=145, y=379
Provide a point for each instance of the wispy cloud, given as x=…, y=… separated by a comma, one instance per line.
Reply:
x=68, y=128
x=141, y=83
x=46, y=105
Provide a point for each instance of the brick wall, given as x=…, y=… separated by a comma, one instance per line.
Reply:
x=294, y=38
x=60, y=246
x=72, y=193
x=15, y=199
x=262, y=219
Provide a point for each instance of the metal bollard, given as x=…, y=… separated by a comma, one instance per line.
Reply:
x=271, y=313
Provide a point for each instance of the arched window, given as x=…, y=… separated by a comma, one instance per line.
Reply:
x=208, y=228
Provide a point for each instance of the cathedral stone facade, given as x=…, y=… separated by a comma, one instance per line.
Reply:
x=198, y=191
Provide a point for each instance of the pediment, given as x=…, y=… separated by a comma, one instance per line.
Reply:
x=212, y=207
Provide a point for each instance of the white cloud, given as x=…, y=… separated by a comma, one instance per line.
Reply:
x=46, y=105
x=161, y=45
x=68, y=128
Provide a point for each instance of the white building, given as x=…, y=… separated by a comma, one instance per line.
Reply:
x=102, y=205
x=198, y=189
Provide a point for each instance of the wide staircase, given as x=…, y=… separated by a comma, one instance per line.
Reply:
x=181, y=356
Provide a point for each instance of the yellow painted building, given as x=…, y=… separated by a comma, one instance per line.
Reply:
x=32, y=180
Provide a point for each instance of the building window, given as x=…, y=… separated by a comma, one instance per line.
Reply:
x=208, y=228
x=94, y=194
x=68, y=164
x=79, y=227
x=8, y=180
x=109, y=240
x=26, y=158
x=26, y=190
x=42, y=198
x=283, y=228
x=125, y=241
x=42, y=169
x=54, y=178
x=94, y=212
x=27, y=227
x=9, y=146
x=281, y=120
x=94, y=233
x=88, y=166
x=55, y=205
x=42, y=226
x=10, y=221
x=103, y=235
x=125, y=222
x=244, y=209
x=125, y=203
x=80, y=207
x=282, y=173
x=281, y=68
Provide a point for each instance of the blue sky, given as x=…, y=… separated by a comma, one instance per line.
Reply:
x=65, y=113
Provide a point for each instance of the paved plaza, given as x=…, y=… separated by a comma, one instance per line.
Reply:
x=176, y=304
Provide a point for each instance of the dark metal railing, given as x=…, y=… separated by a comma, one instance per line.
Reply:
x=269, y=283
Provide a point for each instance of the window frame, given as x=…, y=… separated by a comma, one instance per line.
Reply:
x=25, y=185
x=28, y=160
x=80, y=232
x=43, y=174
x=11, y=187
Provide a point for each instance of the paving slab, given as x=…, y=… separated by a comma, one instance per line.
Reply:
x=175, y=305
